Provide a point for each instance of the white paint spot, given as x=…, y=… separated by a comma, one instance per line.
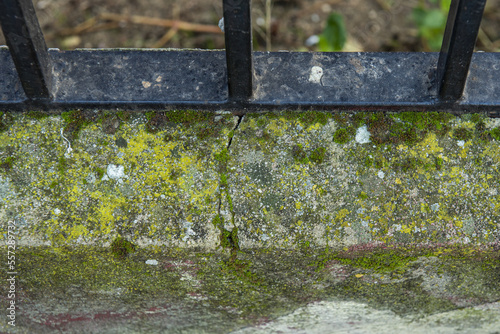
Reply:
x=362, y=135
x=221, y=24
x=380, y=174
x=146, y=84
x=316, y=74
x=115, y=172
x=152, y=262
x=461, y=143
x=435, y=207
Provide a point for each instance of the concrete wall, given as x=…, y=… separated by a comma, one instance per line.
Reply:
x=290, y=179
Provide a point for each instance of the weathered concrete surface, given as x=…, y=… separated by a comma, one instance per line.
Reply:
x=183, y=178
x=156, y=290
x=191, y=222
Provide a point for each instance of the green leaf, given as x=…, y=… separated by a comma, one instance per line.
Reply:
x=431, y=24
x=445, y=6
x=334, y=36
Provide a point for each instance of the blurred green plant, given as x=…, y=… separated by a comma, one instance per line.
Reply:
x=334, y=35
x=431, y=22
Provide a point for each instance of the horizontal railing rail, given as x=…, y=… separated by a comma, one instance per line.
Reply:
x=456, y=79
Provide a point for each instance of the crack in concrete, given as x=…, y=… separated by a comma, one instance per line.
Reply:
x=226, y=236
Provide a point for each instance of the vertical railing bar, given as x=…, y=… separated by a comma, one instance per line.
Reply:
x=27, y=46
x=238, y=37
x=462, y=27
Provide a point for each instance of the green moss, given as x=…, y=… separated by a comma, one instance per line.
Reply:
x=35, y=114
x=343, y=135
x=438, y=162
x=474, y=118
x=261, y=122
x=76, y=120
x=5, y=120
x=481, y=133
x=426, y=121
x=62, y=165
x=409, y=164
x=203, y=123
x=368, y=161
x=299, y=154
x=404, y=133
x=318, y=155
x=100, y=172
x=341, y=118
x=124, y=115
x=6, y=164
x=150, y=114
x=306, y=118
x=229, y=239
x=223, y=156
x=495, y=133
x=359, y=119
x=121, y=247
x=362, y=195
x=463, y=134
x=313, y=117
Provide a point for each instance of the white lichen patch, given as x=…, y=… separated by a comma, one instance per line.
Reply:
x=115, y=172
x=316, y=74
x=362, y=135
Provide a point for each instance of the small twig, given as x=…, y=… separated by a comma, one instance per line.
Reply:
x=91, y=25
x=78, y=30
x=153, y=21
x=165, y=38
x=103, y=26
x=171, y=32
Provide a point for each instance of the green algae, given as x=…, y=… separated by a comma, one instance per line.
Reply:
x=410, y=280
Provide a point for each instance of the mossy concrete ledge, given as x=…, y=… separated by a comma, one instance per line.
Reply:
x=293, y=179
x=290, y=222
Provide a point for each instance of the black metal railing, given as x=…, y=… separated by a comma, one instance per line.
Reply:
x=456, y=79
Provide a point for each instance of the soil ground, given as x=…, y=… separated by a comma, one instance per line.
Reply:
x=372, y=25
